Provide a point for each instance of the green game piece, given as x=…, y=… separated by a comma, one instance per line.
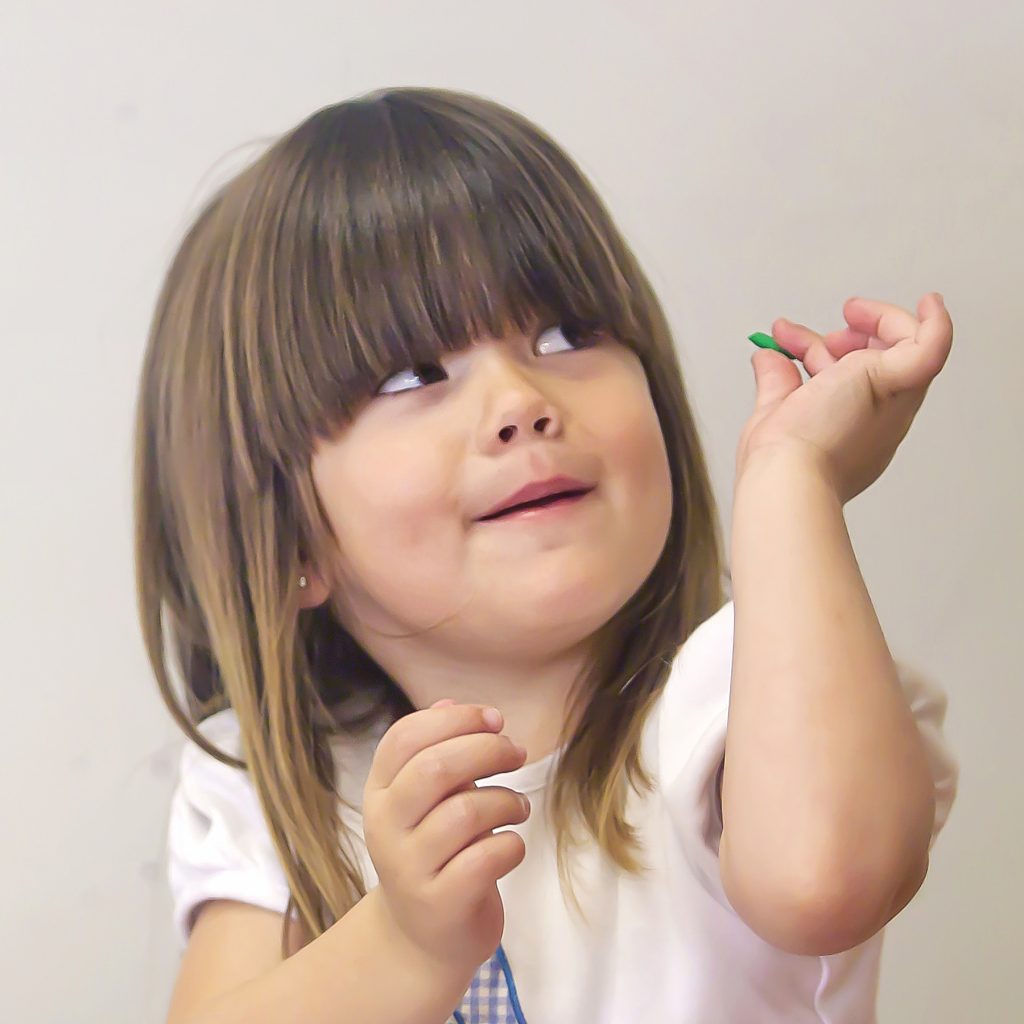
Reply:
x=767, y=341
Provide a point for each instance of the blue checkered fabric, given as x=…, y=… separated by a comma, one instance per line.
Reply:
x=490, y=999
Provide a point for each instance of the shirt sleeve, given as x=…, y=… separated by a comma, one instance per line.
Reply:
x=692, y=732
x=928, y=702
x=219, y=846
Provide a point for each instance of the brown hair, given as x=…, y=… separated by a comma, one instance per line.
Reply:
x=378, y=233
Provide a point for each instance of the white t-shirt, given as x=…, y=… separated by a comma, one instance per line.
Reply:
x=664, y=947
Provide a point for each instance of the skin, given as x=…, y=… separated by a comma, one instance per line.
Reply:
x=402, y=487
x=821, y=851
x=500, y=612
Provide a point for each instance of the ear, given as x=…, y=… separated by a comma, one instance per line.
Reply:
x=315, y=592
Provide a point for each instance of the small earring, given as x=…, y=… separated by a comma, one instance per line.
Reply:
x=303, y=582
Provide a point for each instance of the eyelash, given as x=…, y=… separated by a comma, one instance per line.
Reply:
x=570, y=328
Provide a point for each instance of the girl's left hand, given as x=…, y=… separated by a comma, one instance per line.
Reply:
x=867, y=382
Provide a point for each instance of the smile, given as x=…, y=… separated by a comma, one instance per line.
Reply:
x=555, y=506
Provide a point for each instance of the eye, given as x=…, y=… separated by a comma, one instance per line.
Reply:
x=571, y=334
x=579, y=334
x=403, y=377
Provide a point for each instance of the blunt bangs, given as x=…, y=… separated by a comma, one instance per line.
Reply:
x=406, y=230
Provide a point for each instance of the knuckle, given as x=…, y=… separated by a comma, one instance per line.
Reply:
x=407, y=744
x=434, y=769
x=466, y=811
x=477, y=857
x=487, y=860
x=402, y=741
x=492, y=855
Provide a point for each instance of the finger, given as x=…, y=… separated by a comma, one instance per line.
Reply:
x=421, y=729
x=460, y=820
x=775, y=377
x=883, y=320
x=846, y=340
x=914, y=365
x=478, y=865
x=445, y=768
x=807, y=345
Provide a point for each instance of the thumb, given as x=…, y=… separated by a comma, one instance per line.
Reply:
x=775, y=377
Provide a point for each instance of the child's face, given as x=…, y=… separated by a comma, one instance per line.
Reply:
x=404, y=484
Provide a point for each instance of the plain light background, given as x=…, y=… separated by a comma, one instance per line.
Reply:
x=764, y=160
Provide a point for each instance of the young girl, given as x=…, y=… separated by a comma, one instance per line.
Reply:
x=425, y=528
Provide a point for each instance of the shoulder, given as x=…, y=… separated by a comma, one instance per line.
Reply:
x=218, y=844
x=688, y=722
x=222, y=725
x=687, y=743
x=698, y=682
x=222, y=730
x=352, y=756
x=703, y=665
x=200, y=771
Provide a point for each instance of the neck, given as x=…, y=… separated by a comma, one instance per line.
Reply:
x=532, y=697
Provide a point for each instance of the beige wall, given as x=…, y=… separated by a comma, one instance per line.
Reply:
x=765, y=160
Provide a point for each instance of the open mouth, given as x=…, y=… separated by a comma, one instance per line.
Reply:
x=561, y=498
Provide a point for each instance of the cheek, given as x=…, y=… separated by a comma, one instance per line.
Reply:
x=635, y=447
x=385, y=503
x=646, y=495
x=399, y=483
x=633, y=443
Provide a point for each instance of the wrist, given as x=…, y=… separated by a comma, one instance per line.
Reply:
x=441, y=971
x=793, y=459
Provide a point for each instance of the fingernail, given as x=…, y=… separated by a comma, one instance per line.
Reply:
x=492, y=717
x=525, y=803
x=520, y=750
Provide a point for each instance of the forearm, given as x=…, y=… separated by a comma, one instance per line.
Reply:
x=357, y=971
x=827, y=798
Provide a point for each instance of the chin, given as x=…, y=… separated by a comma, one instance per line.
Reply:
x=559, y=620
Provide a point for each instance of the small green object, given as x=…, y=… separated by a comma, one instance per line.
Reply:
x=767, y=341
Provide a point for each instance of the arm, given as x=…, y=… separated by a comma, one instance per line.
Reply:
x=360, y=969
x=827, y=798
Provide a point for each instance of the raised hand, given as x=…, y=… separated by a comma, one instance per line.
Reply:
x=867, y=381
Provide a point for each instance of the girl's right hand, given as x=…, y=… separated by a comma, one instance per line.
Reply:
x=428, y=829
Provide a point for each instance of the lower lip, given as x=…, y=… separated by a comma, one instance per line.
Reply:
x=555, y=510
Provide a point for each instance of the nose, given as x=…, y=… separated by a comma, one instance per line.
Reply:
x=543, y=425
x=520, y=413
